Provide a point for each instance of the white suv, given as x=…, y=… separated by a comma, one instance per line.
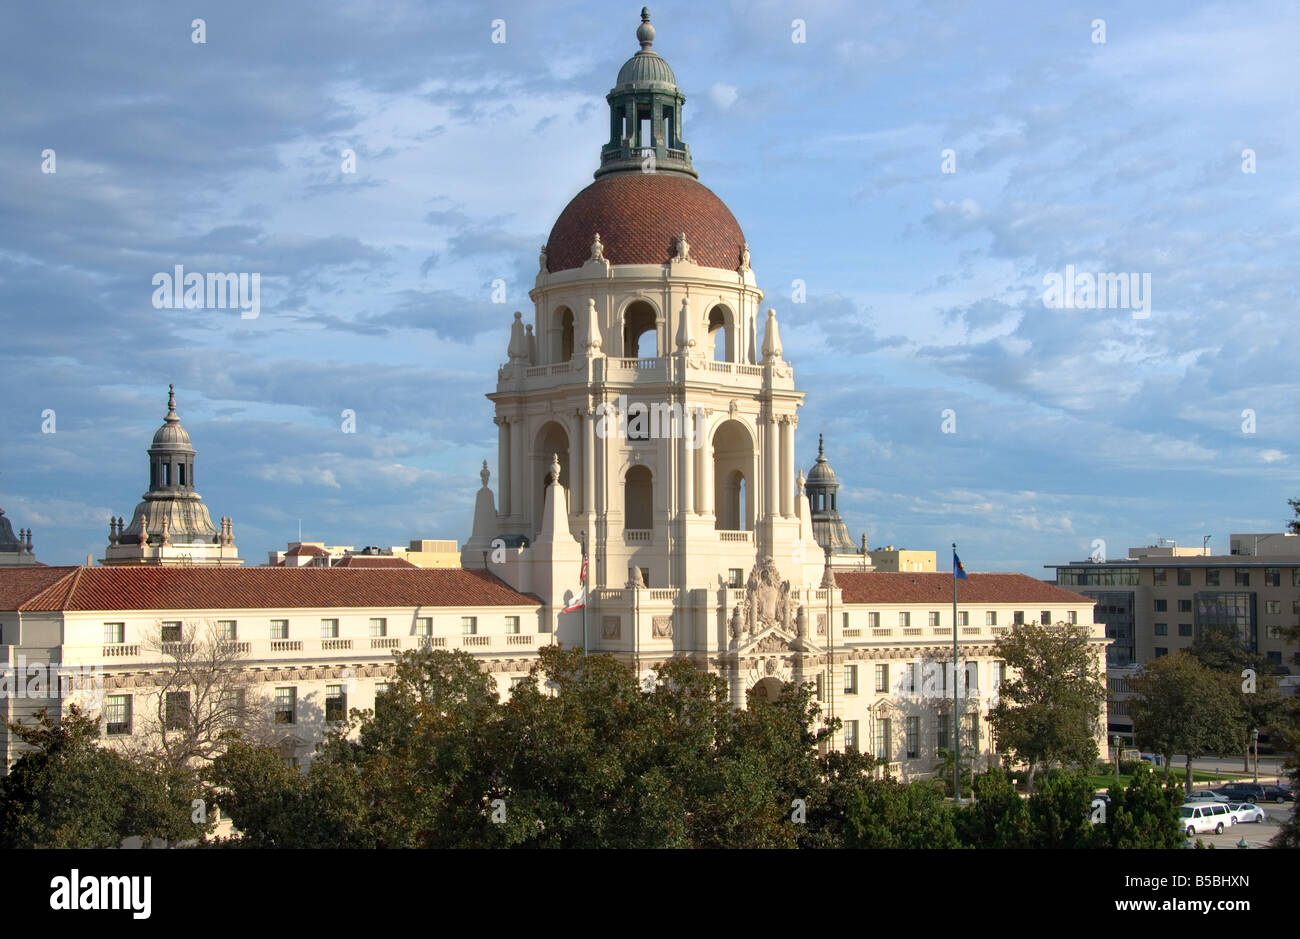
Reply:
x=1197, y=817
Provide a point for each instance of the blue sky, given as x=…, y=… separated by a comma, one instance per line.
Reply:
x=924, y=289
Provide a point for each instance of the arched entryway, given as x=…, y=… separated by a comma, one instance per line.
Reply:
x=552, y=441
x=733, y=477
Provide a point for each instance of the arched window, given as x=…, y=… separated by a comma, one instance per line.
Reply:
x=638, y=499
x=552, y=441
x=733, y=469
x=640, y=336
x=722, y=335
x=562, y=335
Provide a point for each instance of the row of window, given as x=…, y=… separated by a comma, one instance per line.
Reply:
x=913, y=675
x=1213, y=576
x=884, y=742
x=177, y=714
x=963, y=618
x=227, y=629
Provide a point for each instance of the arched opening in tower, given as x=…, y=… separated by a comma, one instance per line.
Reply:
x=638, y=499
x=640, y=338
x=733, y=473
x=562, y=335
x=722, y=335
x=551, y=441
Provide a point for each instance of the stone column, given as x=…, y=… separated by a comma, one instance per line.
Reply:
x=772, y=460
x=706, y=474
x=587, y=417
x=687, y=463
x=503, y=464
x=787, y=465
x=518, y=461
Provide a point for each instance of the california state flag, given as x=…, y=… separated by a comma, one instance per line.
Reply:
x=580, y=599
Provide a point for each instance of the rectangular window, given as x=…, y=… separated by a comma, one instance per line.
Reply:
x=177, y=710
x=329, y=629
x=171, y=632
x=1295, y=607
x=850, y=679
x=844, y=620
x=424, y=625
x=1184, y=629
x=336, y=705
x=469, y=625
x=913, y=737
x=1211, y=577
x=1162, y=629
x=963, y=618
x=999, y=673
x=1162, y=606
x=971, y=733
x=941, y=732
x=512, y=625
x=1243, y=577
x=1158, y=575
x=1184, y=606
x=1161, y=650
x=517, y=681
x=114, y=633
x=1072, y=617
x=1184, y=576
x=378, y=627
x=1045, y=617
x=882, y=679
x=905, y=620
x=735, y=578
x=226, y=630
x=279, y=629
x=382, y=687
x=991, y=618
x=882, y=739
x=1018, y=618
x=972, y=676
x=1272, y=606
x=910, y=680
x=117, y=714
x=1295, y=577
x=873, y=620
x=286, y=705
x=1272, y=577
x=851, y=736
x=934, y=617
x=1275, y=657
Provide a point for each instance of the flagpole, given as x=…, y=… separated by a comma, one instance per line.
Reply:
x=956, y=713
x=586, y=598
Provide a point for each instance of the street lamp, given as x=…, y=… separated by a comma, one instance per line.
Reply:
x=1254, y=741
x=1115, y=743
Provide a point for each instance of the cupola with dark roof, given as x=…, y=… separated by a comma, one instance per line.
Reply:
x=822, y=488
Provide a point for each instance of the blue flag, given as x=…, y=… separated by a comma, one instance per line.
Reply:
x=958, y=570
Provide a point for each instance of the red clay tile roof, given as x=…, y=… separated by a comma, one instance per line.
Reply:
x=306, y=550
x=250, y=588
x=20, y=583
x=373, y=560
x=912, y=587
x=639, y=216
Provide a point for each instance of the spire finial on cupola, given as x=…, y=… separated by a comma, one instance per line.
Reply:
x=645, y=33
x=821, y=447
x=171, y=417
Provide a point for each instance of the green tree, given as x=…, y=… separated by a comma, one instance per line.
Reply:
x=1144, y=814
x=1049, y=712
x=1060, y=813
x=1180, y=706
x=1261, y=699
x=888, y=814
x=998, y=817
x=69, y=792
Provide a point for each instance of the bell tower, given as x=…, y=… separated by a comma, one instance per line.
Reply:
x=651, y=386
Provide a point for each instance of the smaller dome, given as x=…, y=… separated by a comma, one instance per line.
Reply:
x=646, y=67
x=171, y=435
x=821, y=473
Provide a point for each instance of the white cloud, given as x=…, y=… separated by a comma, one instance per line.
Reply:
x=723, y=96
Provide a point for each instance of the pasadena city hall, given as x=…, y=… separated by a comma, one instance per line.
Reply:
x=646, y=410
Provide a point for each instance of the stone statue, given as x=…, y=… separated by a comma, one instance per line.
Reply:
x=597, y=249
x=683, y=248
x=767, y=599
x=744, y=258
x=484, y=475
x=541, y=261
x=735, y=624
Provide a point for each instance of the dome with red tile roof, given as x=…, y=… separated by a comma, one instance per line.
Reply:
x=639, y=217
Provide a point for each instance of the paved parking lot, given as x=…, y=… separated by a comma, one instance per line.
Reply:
x=1257, y=834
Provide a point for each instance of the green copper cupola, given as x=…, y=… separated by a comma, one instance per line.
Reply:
x=645, y=115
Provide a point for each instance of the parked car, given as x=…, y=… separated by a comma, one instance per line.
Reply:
x=1278, y=794
x=1242, y=792
x=1205, y=815
x=1206, y=795
x=1245, y=812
